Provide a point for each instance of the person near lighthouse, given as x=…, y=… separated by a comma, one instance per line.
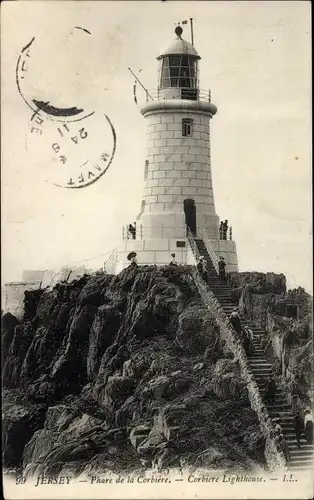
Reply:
x=173, y=261
x=132, y=257
x=222, y=269
x=202, y=268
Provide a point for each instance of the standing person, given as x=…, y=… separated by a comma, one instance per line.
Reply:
x=132, y=231
x=173, y=261
x=230, y=233
x=278, y=428
x=284, y=446
x=134, y=224
x=235, y=321
x=222, y=269
x=132, y=257
x=248, y=334
x=308, y=426
x=298, y=427
x=224, y=229
x=270, y=389
x=221, y=230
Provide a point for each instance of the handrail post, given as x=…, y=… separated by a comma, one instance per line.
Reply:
x=141, y=231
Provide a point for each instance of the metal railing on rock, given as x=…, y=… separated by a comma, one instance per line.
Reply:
x=111, y=262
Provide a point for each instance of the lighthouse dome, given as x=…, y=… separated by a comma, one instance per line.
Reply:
x=177, y=47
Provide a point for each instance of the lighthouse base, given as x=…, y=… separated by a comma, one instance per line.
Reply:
x=154, y=252
x=158, y=252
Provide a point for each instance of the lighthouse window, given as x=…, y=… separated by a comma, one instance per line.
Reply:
x=179, y=71
x=146, y=169
x=187, y=127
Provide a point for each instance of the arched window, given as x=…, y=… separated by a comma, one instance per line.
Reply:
x=187, y=127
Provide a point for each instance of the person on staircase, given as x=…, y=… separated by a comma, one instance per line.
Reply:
x=298, y=426
x=222, y=269
x=270, y=388
x=284, y=446
x=173, y=261
x=277, y=426
x=202, y=268
x=308, y=425
x=248, y=343
x=236, y=321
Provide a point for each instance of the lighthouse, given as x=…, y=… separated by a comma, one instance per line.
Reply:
x=178, y=205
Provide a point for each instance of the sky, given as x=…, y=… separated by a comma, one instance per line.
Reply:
x=256, y=61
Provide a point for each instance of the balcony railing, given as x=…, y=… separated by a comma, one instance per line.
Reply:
x=140, y=232
x=178, y=93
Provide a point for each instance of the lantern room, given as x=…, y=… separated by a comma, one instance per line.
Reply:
x=178, y=70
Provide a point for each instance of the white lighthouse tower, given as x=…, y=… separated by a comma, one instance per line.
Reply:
x=178, y=197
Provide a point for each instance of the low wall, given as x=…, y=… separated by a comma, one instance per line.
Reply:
x=228, y=250
x=274, y=457
x=14, y=297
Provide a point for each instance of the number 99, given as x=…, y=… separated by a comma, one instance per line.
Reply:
x=20, y=480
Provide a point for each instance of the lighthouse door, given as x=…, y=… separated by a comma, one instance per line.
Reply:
x=190, y=215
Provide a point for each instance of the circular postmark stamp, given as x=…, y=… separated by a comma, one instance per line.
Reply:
x=73, y=145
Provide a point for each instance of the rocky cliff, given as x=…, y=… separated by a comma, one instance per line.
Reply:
x=123, y=373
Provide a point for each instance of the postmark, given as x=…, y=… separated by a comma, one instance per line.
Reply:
x=71, y=155
x=73, y=145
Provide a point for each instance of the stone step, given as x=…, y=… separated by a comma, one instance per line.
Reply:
x=307, y=470
x=304, y=444
x=308, y=459
x=256, y=363
x=298, y=452
x=274, y=407
x=262, y=369
x=283, y=413
x=299, y=463
x=289, y=434
x=253, y=360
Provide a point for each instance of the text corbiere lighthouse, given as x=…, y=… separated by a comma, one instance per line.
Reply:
x=178, y=197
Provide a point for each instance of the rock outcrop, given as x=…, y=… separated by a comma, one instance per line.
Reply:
x=113, y=372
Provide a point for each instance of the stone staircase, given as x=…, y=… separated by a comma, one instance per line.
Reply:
x=301, y=459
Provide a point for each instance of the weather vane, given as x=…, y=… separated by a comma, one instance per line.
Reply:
x=178, y=30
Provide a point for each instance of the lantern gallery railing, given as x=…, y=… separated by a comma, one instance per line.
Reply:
x=186, y=93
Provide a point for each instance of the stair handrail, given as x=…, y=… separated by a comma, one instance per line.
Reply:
x=274, y=457
x=110, y=263
x=192, y=243
x=211, y=251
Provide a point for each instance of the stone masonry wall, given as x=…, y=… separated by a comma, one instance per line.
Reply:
x=179, y=167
